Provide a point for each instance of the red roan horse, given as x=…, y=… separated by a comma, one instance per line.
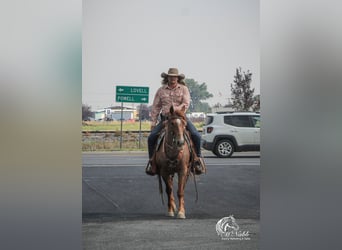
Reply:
x=173, y=156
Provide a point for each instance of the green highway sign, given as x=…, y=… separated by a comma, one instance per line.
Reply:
x=132, y=94
x=131, y=98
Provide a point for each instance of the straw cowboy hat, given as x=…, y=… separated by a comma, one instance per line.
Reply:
x=173, y=72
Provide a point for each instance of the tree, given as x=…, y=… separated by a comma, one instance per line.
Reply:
x=86, y=112
x=198, y=92
x=204, y=107
x=242, y=94
x=256, y=103
x=145, y=113
x=217, y=105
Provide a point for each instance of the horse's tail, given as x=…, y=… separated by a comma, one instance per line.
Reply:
x=161, y=188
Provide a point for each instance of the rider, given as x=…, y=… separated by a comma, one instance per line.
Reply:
x=173, y=92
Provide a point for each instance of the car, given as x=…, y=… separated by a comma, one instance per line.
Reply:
x=229, y=132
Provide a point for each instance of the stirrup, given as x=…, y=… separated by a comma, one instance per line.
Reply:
x=199, y=166
x=148, y=169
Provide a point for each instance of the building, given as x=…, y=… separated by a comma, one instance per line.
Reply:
x=99, y=115
x=114, y=113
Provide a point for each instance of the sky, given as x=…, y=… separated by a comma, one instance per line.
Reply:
x=131, y=42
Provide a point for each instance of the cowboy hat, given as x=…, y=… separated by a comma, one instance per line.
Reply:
x=172, y=72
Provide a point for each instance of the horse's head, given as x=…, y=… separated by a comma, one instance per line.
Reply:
x=176, y=124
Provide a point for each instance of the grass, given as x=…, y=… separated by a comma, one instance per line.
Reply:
x=115, y=126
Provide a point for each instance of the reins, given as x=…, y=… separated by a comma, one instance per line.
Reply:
x=166, y=143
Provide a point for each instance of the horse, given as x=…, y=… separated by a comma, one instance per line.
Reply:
x=174, y=156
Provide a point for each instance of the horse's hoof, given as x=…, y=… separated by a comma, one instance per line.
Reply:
x=181, y=215
x=170, y=214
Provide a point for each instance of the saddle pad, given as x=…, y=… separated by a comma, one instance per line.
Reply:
x=160, y=139
x=188, y=139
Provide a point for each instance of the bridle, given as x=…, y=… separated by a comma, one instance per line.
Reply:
x=176, y=146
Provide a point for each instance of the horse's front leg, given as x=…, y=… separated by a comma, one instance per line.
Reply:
x=171, y=205
x=182, y=176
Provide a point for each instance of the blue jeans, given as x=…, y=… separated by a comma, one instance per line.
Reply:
x=195, y=136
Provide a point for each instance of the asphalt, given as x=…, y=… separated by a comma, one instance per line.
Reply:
x=166, y=234
x=161, y=232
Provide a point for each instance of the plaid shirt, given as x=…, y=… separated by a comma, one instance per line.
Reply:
x=165, y=97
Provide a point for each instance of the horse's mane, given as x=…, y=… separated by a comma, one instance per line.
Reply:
x=180, y=113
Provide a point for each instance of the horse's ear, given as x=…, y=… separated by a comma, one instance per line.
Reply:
x=183, y=109
x=171, y=110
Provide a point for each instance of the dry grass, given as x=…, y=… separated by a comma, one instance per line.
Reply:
x=115, y=126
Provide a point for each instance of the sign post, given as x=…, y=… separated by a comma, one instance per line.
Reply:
x=133, y=94
x=121, y=125
x=140, y=109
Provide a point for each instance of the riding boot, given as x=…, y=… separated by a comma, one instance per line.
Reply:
x=199, y=166
x=150, y=168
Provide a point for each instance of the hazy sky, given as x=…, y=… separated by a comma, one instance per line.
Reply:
x=131, y=42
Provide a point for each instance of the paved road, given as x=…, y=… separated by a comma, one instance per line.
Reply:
x=122, y=208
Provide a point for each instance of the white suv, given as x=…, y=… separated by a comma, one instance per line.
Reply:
x=226, y=133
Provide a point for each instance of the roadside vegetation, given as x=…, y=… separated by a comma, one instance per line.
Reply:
x=126, y=126
x=106, y=135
